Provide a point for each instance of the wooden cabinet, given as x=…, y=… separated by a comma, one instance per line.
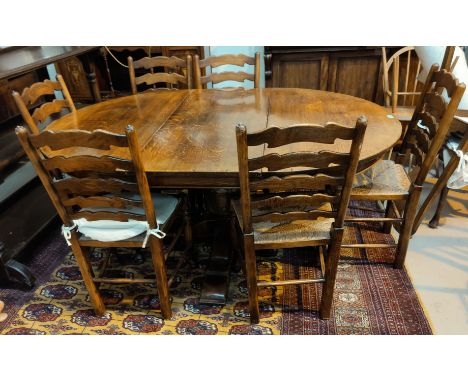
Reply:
x=297, y=70
x=348, y=70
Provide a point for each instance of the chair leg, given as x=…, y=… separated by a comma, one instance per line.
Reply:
x=157, y=255
x=187, y=230
x=251, y=268
x=87, y=273
x=238, y=259
x=434, y=223
x=406, y=227
x=331, y=268
x=387, y=226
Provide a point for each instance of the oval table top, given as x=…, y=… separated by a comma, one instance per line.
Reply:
x=187, y=137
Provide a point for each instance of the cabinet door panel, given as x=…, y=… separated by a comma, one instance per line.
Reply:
x=356, y=74
x=300, y=70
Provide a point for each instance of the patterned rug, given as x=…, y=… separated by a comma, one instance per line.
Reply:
x=370, y=298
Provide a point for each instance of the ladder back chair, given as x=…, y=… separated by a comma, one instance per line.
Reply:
x=296, y=207
x=228, y=59
x=400, y=182
x=98, y=197
x=41, y=115
x=176, y=72
x=451, y=161
x=400, y=82
x=449, y=62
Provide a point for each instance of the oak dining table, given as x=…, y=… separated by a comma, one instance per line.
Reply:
x=187, y=137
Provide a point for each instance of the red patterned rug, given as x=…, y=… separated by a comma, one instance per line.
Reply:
x=370, y=298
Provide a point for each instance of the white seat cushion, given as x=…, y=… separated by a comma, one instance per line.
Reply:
x=110, y=230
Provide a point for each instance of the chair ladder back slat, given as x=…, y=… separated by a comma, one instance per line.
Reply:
x=102, y=201
x=32, y=93
x=277, y=136
x=104, y=164
x=295, y=182
x=44, y=111
x=422, y=139
x=155, y=78
x=445, y=79
x=228, y=59
x=94, y=186
x=97, y=139
x=217, y=78
x=162, y=61
x=276, y=161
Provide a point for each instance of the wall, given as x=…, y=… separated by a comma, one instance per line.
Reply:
x=248, y=51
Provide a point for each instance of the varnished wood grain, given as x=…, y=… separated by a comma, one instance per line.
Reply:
x=187, y=138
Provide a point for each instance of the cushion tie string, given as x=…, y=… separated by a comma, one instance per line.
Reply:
x=155, y=232
x=421, y=126
x=66, y=232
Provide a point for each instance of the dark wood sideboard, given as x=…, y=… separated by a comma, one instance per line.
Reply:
x=353, y=70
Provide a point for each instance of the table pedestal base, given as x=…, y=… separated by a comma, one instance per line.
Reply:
x=216, y=281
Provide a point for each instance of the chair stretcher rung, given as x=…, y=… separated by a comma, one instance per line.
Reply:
x=288, y=282
x=373, y=220
x=368, y=245
x=123, y=281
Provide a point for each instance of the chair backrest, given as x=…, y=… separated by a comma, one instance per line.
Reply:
x=430, y=122
x=401, y=87
x=227, y=59
x=40, y=116
x=176, y=71
x=327, y=178
x=85, y=186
